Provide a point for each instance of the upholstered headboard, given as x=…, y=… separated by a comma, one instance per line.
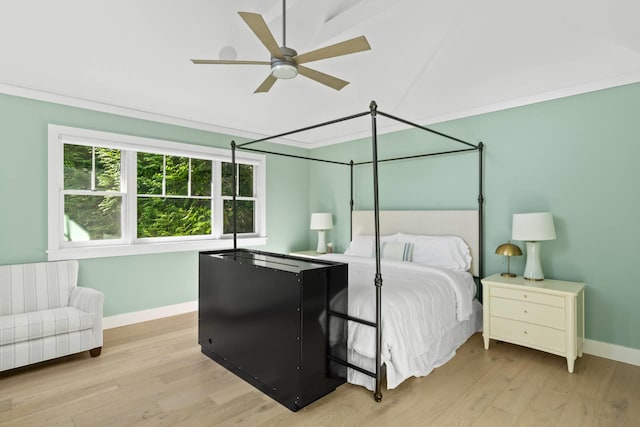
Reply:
x=463, y=223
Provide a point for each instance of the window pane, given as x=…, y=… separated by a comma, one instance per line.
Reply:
x=92, y=217
x=245, y=178
x=150, y=168
x=200, y=177
x=177, y=176
x=77, y=167
x=162, y=217
x=244, y=216
x=107, y=169
x=227, y=179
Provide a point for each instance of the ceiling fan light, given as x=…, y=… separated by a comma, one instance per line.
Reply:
x=284, y=71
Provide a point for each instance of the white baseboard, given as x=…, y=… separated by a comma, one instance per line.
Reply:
x=150, y=314
x=595, y=348
x=612, y=351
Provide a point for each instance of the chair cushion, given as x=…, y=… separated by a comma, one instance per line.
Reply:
x=39, y=324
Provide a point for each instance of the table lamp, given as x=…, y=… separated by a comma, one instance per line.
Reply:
x=508, y=250
x=321, y=222
x=532, y=228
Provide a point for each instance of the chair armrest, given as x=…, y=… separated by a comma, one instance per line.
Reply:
x=90, y=301
x=87, y=299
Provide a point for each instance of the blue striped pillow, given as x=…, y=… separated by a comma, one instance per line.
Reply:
x=398, y=251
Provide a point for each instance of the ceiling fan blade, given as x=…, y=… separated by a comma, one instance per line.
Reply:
x=228, y=61
x=266, y=84
x=325, y=79
x=346, y=47
x=260, y=29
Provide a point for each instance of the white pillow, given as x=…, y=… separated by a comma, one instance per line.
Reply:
x=442, y=251
x=364, y=245
x=398, y=251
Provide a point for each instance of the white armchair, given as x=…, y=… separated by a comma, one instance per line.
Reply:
x=44, y=314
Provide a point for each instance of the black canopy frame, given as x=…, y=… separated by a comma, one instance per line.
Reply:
x=373, y=112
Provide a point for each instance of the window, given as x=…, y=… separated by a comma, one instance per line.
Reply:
x=92, y=193
x=174, y=196
x=245, y=200
x=112, y=194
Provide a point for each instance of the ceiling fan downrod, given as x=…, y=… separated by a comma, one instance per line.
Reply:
x=284, y=23
x=285, y=67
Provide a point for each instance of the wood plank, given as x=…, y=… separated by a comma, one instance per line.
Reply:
x=477, y=398
x=620, y=400
x=587, y=388
x=512, y=400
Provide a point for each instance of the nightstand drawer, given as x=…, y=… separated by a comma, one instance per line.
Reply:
x=528, y=334
x=527, y=295
x=540, y=314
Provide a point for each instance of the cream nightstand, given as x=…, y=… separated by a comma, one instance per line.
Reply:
x=306, y=254
x=547, y=315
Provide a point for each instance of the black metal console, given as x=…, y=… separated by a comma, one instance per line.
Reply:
x=263, y=316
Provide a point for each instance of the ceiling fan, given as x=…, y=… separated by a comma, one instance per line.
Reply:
x=285, y=62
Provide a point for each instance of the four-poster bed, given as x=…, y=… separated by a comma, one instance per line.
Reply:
x=469, y=224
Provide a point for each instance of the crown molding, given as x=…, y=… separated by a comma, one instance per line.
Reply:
x=138, y=114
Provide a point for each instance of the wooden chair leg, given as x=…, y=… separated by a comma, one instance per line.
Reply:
x=95, y=352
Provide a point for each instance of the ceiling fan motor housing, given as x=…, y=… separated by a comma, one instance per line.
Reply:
x=285, y=67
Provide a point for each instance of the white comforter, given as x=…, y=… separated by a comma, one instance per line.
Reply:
x=420, y=306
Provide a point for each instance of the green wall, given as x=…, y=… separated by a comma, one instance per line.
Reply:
x=576, y=157
x=130, y=283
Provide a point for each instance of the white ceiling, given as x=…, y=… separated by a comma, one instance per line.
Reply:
x=431, y=60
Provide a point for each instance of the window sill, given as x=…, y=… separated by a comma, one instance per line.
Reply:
x=150, y=248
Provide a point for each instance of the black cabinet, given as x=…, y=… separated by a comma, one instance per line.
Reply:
x=263, y=316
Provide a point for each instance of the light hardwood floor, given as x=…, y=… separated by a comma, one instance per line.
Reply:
x=153, y=374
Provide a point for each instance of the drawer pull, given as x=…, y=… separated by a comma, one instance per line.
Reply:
x=525, y=332
x=525, y=312
x=525, y=295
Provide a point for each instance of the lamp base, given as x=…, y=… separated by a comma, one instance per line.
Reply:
x=533, y=268
x=322, y=245
x=507, y=275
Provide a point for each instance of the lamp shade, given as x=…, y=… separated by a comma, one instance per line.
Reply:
x=533, y=227
x=321, y=221
x=508, y=249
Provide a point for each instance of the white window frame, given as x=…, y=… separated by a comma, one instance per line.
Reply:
x=59, y=249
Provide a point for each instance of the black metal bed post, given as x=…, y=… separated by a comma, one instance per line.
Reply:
x=378, y=278
x=233, y=203
x=480, y=215
x=351, y=204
